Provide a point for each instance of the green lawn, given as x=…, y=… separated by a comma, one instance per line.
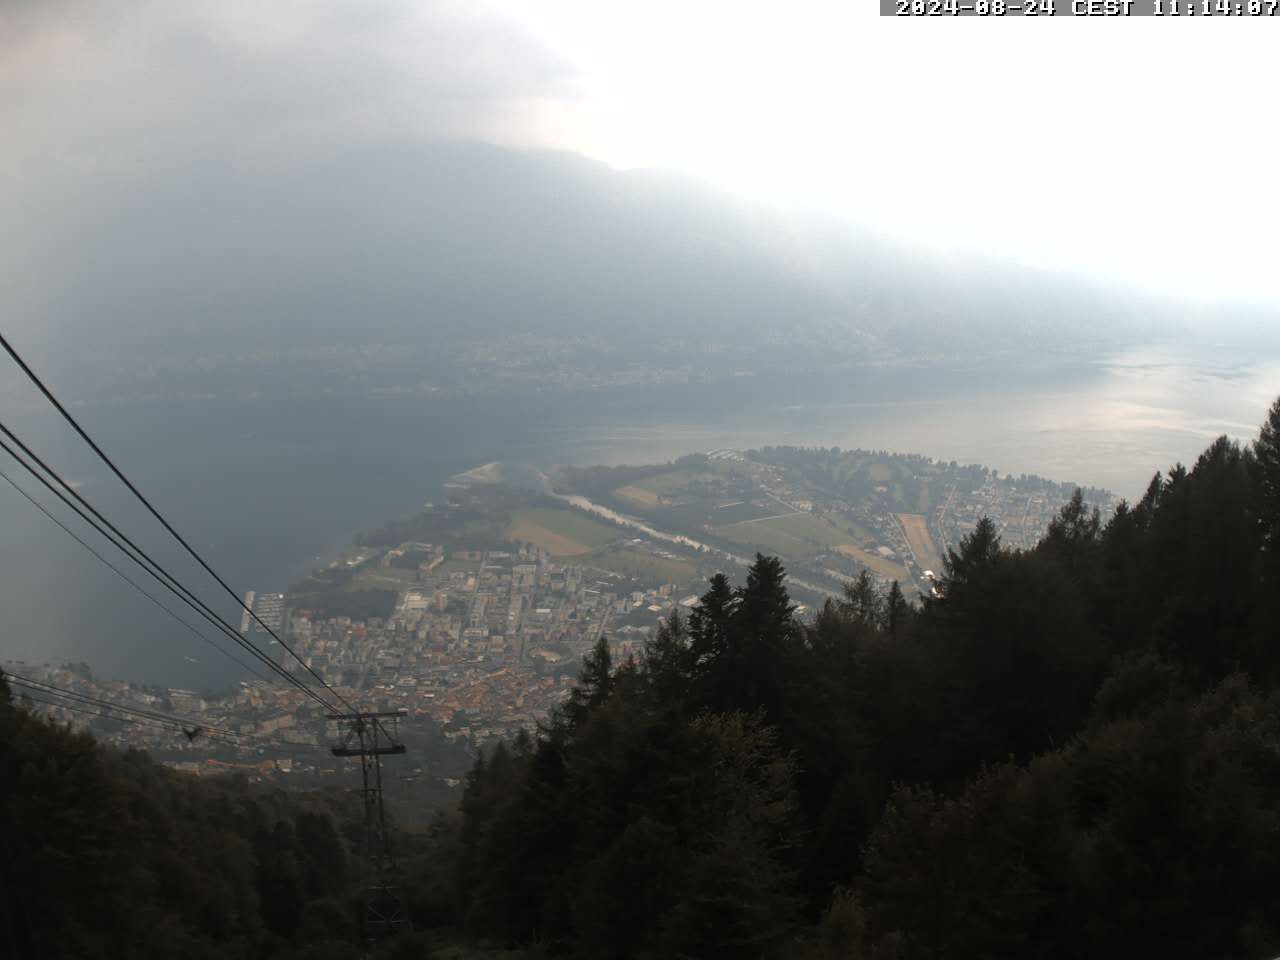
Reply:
x=646, y=567
x=798, y=535
x=737, y=512
x=857, y=532
x=667, y=483
x=454, y=565
x=382, y=578
x=561, y=532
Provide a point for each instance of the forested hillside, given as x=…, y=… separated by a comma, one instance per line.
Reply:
x=1074, y=751
x=106, y=854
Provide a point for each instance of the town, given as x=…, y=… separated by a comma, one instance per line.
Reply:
x=470, y=619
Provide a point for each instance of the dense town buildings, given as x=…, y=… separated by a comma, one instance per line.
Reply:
x=475, y=642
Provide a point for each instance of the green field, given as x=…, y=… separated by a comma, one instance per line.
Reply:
x=860, y=533
x=798, y=535
x=382, y=578
x=645, y=567
x=563, y=533
x=881, y=565
x=668, y=483
x=454, y=565
x=723, y=516
x=637, y=496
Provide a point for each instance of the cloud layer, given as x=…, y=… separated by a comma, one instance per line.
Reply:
x=92, y=87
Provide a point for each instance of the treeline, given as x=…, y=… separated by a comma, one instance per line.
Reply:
x=1073, y=752
x=326, y=594
x=849, y=474
x=106, y=854
x=356, y=604
x=473, y=519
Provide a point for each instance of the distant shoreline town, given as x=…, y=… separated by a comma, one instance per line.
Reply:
x=472, y=616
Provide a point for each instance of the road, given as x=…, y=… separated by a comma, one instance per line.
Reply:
x=942, y=517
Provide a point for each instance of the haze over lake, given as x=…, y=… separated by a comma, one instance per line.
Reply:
x=265, y=486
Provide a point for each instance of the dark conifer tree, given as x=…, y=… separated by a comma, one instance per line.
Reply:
x=1266, y=465
x=979, y=550
x=764, y=605
x=1076, y=524
x=594, y=683
x=709, y=623
x=668, y=662
x=862, y=602
x=752, y=673
x=896, y=609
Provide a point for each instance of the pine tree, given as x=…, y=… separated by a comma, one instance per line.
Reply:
x=895, y=609
x=709, y=623
x=862, y=601
x=762, y=630
x=979, y=549
x=1266, y=469
x=668, y=661
x=764, y=603
x=1075, y=523
x=595, y=683
x=1150, y=499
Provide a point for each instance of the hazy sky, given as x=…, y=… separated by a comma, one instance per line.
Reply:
x=1145, y=148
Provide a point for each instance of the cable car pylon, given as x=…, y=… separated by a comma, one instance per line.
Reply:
x=371, y=736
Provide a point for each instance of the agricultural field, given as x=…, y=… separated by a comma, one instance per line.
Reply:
x=916, y=529
x=562, y=533
x=698, y=500
x=675, y=485
x=789, y=535
x=880, y=565
x=662, y=483
x=724, y=514
x=646, y=567
x=637, y=495
x=861, y=534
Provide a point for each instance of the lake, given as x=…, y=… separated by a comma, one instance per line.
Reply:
x=265, y=486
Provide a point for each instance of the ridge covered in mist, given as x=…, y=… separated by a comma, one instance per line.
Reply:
x=420, y=261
